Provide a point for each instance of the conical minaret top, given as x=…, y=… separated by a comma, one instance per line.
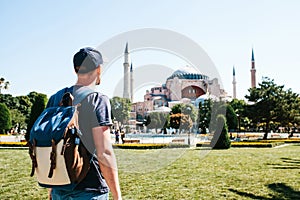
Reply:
x=233, y=71
x=126, y=48
x=234, y=83
x=253, y=71
x=252, y=59
x=126, y=54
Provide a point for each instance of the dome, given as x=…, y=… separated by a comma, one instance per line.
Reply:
x=201, y=99
x=187, y=72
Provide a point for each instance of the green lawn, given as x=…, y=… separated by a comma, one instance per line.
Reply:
x=237, y=173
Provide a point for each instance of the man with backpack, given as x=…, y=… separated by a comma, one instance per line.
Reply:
x=94, y=121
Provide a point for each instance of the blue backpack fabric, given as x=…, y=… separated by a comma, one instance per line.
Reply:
x=58, y=156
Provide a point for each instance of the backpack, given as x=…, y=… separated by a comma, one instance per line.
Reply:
x=58, y=156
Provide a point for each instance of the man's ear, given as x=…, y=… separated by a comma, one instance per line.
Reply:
x=99, y=70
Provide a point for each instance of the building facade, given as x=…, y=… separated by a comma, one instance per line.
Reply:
x=185, y=85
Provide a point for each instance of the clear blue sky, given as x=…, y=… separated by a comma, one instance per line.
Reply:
x=38, y=38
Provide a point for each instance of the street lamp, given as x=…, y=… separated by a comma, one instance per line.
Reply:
x=189, y=131
x=239, y=124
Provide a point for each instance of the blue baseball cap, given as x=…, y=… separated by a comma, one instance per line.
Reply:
x=86, y=60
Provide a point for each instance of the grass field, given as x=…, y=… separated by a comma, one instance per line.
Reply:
x=237, y=173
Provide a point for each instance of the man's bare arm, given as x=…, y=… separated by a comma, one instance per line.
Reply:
x=107, y=159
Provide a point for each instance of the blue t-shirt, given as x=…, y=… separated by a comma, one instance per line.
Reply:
x=94, y=110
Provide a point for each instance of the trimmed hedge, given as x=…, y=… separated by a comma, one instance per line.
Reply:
x=13, y=144
x=139, y=146
x=256, y=144
x=293, y=140
x=203, y=144
x=122, y=146
x=150, y=146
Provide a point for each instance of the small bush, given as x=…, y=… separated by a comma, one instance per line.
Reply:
x=221, y=139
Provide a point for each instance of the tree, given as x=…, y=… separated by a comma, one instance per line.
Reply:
x=220, y=138
x=204, y=113
x=157, y=120
x=20, y=107
x=231, y=117
x=3, y=84
x=238, y=106
x=154, y=120
x=24, y=105
x=120, y=108
x=32, y=96
x=241, y=112
x=181, y=121
x=17, y=118
x=186, y=109
x=38, y=106
x=291, y=104
x=267, y=103
x=5, y=118
x=10, y=101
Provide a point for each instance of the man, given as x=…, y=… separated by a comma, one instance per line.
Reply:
x=94, y=123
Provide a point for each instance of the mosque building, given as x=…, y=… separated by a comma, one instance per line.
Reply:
x=185, y=85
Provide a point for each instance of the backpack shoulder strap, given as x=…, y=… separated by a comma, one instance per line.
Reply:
x=81, y=93
x=56, y=98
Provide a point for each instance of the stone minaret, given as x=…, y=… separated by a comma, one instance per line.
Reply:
x=131, y=83
x=234, y=84
x=253, y=71
x=126, y=92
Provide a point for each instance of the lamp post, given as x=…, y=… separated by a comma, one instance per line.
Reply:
x=189, y=110
x=239, y=124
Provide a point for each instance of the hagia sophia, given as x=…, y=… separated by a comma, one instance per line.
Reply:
x=184, y=85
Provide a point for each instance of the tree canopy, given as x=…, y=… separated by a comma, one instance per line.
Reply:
x=186, y=109
x=5, y=119
x=271, y=103
x=157, y=120
x=204, y=115
x=120, y=108
x=3, y=84
x=20, y=108
x=38, y=106
x=181, y=121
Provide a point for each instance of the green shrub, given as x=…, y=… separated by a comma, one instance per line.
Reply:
x=221, y=139
x=37, y=108
x=5, y=118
